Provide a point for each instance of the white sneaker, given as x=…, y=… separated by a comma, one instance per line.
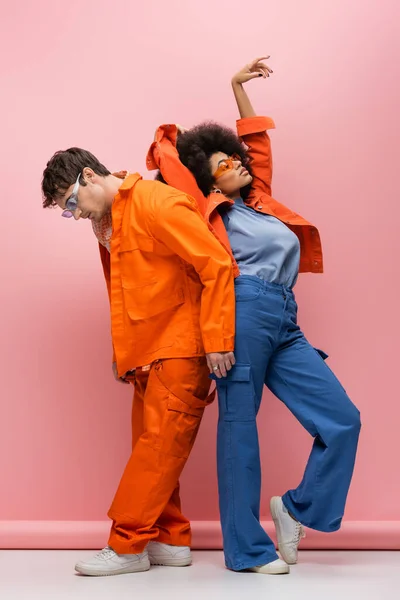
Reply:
x=276, y=567
x=289, y=532
x=108, y=562
x=169, y=556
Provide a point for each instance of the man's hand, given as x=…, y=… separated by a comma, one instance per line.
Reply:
x=115, y=372
x=256, y=68
x=220, y=363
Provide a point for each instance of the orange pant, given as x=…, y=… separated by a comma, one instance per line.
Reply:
x=168, y=405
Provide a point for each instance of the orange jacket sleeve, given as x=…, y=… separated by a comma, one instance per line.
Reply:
x=105, y=261
x=253, y=131
x=179, y=225
x=163, y=155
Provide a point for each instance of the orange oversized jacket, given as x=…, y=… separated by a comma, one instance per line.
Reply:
x=170, y=282
x=253, y=131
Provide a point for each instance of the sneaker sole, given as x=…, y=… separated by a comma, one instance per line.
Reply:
x=274, y=506
x=137, y=568
x=284, y=570
x=171, y=562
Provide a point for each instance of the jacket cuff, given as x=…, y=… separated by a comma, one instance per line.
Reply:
x=219, y=344
x=254, y=125
x=168, y=131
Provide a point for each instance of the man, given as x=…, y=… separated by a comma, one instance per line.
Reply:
x=171, y=293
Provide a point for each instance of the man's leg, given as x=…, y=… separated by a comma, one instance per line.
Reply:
x=173, y=527
x=107, y=562
x=174, y=402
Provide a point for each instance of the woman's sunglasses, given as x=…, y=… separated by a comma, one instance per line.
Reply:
x=226, y=164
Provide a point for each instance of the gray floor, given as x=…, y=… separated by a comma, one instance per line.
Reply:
x=31, y=575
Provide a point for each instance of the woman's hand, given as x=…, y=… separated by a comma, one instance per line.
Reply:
x=256, y=68
x=181, y=129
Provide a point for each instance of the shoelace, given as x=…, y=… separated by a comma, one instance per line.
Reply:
x=299, y=534
x=105, y=553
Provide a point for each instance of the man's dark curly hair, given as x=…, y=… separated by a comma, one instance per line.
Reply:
x=196, y=146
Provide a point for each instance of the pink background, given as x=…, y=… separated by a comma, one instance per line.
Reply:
x=103, y=76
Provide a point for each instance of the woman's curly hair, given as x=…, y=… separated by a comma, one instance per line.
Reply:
x=196, y=146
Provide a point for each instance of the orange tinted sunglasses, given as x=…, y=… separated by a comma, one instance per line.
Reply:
x=226, y=165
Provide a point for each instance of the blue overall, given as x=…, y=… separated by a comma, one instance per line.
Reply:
x=271, y=349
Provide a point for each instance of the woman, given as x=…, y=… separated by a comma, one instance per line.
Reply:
x=269, y=245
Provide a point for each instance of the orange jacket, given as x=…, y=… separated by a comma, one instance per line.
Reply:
x=253, y=131
x=170, y=282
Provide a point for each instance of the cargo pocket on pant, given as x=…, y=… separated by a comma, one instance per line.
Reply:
x=182, y=420
x=236, y=394
x=324, y=356
x=182, y=425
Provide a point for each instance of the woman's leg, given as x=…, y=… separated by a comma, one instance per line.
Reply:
x=258, y=317
x=299, y=377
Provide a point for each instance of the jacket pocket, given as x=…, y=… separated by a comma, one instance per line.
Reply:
x=151, y=299
x=135, y=261
x=140, y=242
x=146, y=294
